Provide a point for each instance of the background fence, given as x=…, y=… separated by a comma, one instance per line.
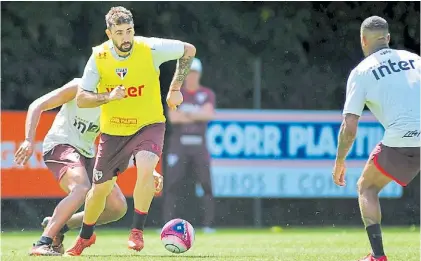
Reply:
x=280, y=55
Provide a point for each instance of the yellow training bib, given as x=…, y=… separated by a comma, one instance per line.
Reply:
x=142, y=105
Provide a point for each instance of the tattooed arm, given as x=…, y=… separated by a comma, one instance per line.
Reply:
x=183, y=67
x=347, y=134
x=87, y=99
x=164, y=50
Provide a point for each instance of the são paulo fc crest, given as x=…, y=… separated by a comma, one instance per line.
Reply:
x=121, y=72
x=97, y=175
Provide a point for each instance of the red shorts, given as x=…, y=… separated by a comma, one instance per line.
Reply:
x=63, y=156
x=400, y=164
x=114, y=152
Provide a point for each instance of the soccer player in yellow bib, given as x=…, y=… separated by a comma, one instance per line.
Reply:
x=122, y=77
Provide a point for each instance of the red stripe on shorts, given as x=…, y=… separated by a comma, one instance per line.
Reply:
x=384, y=172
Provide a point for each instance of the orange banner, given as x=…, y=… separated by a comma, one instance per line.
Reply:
x=34, y=180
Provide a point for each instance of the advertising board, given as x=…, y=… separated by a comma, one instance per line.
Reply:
x=286, y=154
x=34, y=180
x=276, y=154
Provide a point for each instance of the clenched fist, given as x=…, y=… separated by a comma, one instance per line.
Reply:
x=174, y=99
x=117, y=93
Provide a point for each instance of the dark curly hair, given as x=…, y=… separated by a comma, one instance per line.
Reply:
x=118, y=15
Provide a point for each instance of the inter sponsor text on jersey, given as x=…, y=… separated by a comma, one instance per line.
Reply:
x=388, y=82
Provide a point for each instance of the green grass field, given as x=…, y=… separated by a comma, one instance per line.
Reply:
x=309, y=244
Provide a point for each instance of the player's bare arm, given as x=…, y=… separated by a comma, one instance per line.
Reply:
x=347, y=134
x=46, y=102
x=174, y=97
x=206, y=113
x=87, y=99
x=86, y=96
x=183, y=67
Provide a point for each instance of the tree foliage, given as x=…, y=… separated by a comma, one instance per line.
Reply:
x=307, y=49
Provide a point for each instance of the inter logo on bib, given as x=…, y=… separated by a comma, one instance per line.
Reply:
x=121, y=72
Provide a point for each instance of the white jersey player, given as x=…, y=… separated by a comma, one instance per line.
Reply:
x=388, y=82
x=69, y=150
x=76, y=126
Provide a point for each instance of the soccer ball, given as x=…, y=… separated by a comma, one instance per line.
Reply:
x=177, y=236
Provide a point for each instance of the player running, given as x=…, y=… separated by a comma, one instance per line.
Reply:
x=122, y=76
x=388, y=82
x=68, y=150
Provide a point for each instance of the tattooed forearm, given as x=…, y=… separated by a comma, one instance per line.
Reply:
x=347, y=134
x=181, y=71
x=87, y=99
x=183, y=67
x=102, y=98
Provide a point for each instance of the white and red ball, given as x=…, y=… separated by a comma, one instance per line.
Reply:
x=177, y=236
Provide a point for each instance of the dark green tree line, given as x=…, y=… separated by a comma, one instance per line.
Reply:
x=307, y=49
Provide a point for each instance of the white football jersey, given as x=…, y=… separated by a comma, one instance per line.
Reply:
x=388, y=82
x=78, y=127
